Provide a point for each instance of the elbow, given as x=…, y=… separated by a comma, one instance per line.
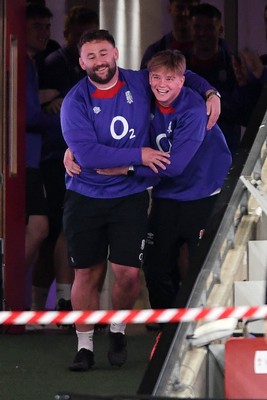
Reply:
x=171, y=172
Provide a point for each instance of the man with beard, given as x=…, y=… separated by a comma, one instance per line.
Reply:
x=105, y=122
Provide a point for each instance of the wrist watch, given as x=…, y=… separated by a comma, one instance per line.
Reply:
x=213, y=93
x=130, y=171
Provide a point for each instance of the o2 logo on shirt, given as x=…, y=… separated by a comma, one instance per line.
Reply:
x=122, y=123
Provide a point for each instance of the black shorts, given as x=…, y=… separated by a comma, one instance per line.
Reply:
x=99, y=228
x=53, y=176
x=172, y=223
x=35, y=194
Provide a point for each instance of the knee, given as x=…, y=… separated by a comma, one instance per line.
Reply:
x=37, y=227
x=84, y=278
x=43, y=232
x=130, y=280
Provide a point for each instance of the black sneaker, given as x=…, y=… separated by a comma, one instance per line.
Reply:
x=83, y=360
x=117, y=354
x=100, y=327
x=64, y=305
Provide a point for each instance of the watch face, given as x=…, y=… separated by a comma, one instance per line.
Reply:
x=130, y=171
x=213, y=93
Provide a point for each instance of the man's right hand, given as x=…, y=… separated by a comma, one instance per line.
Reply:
x=155, y=158
x=150, y=157
x=72, y=168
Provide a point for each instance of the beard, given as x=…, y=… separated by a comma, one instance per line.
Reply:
x=98, y=79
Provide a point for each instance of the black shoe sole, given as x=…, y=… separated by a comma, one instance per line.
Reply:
x=117, y=354
x=83, y=361
x=117, y=363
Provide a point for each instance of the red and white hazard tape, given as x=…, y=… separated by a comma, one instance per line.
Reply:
x=131, y=316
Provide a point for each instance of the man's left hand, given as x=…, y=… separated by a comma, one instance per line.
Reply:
x=213, y=105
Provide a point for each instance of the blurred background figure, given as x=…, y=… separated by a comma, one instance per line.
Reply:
x=60, y=72
x=211, y=58
x=62, y=69
x=38, y=21
x=251, y=68
x=180, y=36
x=51, y=45
x=251, y=61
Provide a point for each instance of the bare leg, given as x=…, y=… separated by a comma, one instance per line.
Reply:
x=85, y=291
x=64, y=274
x=36, y=232
x=85, y=296
x=126, y=287
x=42, y=276
x=43, y=272
x=125, y=291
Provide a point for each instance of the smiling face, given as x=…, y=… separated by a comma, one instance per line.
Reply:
x=98, y=58
x=38, y=33
x=166, y=84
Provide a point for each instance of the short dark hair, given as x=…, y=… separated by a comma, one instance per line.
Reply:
x=100, y=34
x=195, y=2
x=207, y=10
x=34, y=10
x=171, y=59
x=80, y=15
x=40, y=2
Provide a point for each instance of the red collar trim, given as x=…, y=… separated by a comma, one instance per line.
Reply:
x=109, y=93
x=165, y=110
